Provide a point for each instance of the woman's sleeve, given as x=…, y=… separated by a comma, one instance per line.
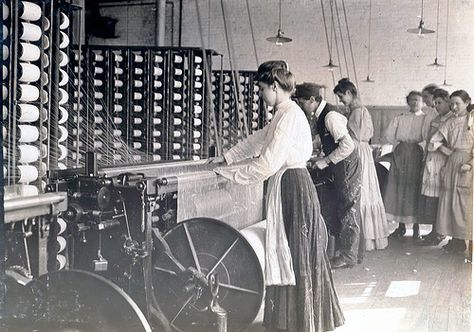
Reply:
x=248, y=148
x=390, y=133
x=272, y=158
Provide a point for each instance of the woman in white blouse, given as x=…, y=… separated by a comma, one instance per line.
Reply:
x=300, y=294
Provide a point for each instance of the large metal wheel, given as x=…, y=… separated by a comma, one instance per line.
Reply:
x=210, y=247
x=71, y=300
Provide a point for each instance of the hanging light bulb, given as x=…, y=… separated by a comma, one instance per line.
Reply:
x=368, y=80
x=279, y=39
x=435, y=64
x=421, y=31
x=330, y=66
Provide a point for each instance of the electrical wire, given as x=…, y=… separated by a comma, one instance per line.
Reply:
x=252, y=33
x=350, y=44
x=342, y=39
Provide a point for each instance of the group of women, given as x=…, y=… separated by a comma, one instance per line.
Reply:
x=300, y=294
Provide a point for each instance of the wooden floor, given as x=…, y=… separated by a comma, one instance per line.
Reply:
x=404, y=288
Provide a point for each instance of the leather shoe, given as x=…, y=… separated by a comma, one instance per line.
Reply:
x=432, y=241
x=340, y=263
x=399, y=232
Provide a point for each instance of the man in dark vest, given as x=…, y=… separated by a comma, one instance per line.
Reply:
x=340, y=156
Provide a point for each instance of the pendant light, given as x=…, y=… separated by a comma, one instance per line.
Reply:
x=279, y=39
x=445, y=83
x=330, y=66
x=421, y=30
x=436, y=64
x=368, y=80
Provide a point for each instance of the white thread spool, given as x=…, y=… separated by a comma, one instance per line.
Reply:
x=177, y=84
x=62, y=133
x=196, y=134
x=4, y=72
x=117, y=120
x=158, y=58
x=62, y=225
x=137, y=108
x=98, y=70
x=197, y=72
x=98, y=95
x=137, y=96
x=197, y=59
x=156, y=146
x=118, y=108
x=118, y=57
x=176, y=146
x=5, y=11
x=45, y=42
x=98, y=120
x=43, y=133
x=156, y=157
x=138, y=58
x=198, y=85
x=5, y=32
x=98, y=107
x=61, y=243
x=176, y=157
x=46, y=23
x=64, y=59
x=157, y=71
x=197, y=97
x=98, y=132
x=254, y=125
x=43, y=150
x=197, y=121
x=176, y=133
x=45, y=60
x=5, y=132
x=60, y=262
x=29, y=11
x=137, y=84
x=6, y=52
x=64, y=96
x=178, y=59
x=27, y=173
x=196, y=146
x=64, y=78
x=64, y=22
x=157, y=108
x=137, y=145
x=178, y=71
x=118, y=95
x=118, y=83
x=61, y=166
x=98, y=57
x=118, y=70
x=28, y=73
x=156, y=133
x=98, y=145
x=28, y=153
x=4, y=92
x=197, y=109
x=4, y=112
x=156, y=121
x=137, y=121
x=64, y=115
x=177, y=96
x=137, y=133
x=44, y=78
x=138, y=71
x=177, y=121
x=98, y=82
x=157, y=96
x=157, y=84
x=177, y=109
x=117, y=145
x=28, y=92
x=62, y=152
x=42, y=169
x=29, y=32
x=137, y=158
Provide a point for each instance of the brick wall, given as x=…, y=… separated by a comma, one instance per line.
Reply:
x=399, y=59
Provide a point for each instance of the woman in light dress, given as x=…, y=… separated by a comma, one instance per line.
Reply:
x=373, y=219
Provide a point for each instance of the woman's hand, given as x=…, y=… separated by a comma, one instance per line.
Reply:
x=465, y=168
x=216, y=160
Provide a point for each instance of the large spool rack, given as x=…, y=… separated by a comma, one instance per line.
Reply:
x=151, y=103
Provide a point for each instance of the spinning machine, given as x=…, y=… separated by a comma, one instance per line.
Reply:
x=111, y=209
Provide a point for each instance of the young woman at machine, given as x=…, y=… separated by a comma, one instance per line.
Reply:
x=373, y=220
x=300, y=294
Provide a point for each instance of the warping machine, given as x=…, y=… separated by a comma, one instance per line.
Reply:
x=111, y=210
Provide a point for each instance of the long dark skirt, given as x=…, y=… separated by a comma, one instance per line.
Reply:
x=427, y=210
x=312, y=305
x=404, y=183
